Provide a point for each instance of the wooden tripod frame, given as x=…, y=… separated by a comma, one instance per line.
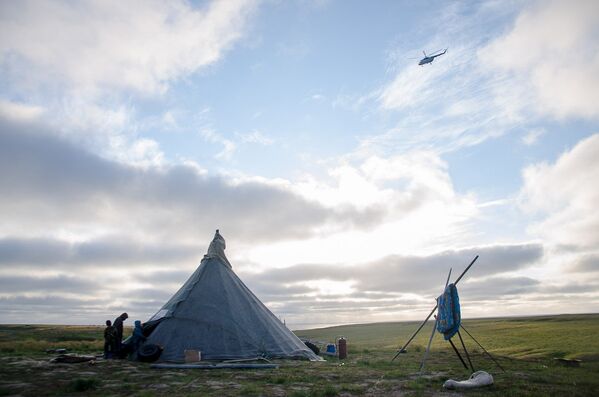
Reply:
x=455, y=349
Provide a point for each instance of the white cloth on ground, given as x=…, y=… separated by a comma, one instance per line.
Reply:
x=477, y=379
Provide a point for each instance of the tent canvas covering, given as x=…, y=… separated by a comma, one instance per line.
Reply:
x=216, y=313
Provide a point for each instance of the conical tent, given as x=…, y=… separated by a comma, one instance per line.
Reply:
x=214, y=312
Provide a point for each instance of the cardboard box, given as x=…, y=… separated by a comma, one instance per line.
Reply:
x=193, y=356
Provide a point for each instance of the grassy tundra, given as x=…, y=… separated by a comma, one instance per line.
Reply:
x=526, y=347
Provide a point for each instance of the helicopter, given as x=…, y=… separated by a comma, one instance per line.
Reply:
x=430, y=58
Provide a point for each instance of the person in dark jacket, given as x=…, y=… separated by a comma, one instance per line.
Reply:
x=118, y=325
x=109, y=340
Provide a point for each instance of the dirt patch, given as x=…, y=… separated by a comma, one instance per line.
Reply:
x=20, y=385
x=87, y=373
x=214, y=384
x=111, y=384
x=29, y=363
x=159, y=386
x=278, y=392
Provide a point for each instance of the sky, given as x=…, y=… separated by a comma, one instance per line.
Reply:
x=346, y=179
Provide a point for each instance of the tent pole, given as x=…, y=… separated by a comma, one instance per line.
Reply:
x=464, y=272
x=466, y=351
x=481, y=346
x=448, y=277
x=428, y=347
x=458, y=353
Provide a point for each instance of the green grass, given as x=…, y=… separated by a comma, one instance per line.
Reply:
x=250, y=390
x=569, y=336
x=27, y=339
x=524, y=346
x=82, y=384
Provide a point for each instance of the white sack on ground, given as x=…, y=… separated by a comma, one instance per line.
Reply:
x=477, y=379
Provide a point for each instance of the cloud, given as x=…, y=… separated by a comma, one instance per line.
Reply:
x=138, y=45
x=408, y=194
x=565, y=195
x=229, y=147
x=405, y=274
x=401, y=182
x=499, y=287
x=586, y=264
x=153, y=297
x=73, y=206
x=492, y=82
x=29, y=302
x=256, y=137
x=19, y=111
x=398, y=287
x=58, y=187
x=589, y=287
x=532, y=136
x=91, y=63
x=74, y=212
x=445, y=106
x=144, y=152
x=57, y=309
x=60, y=283
x=104, y=252
x=552, y=51
x=170, y=276
x=413, y=86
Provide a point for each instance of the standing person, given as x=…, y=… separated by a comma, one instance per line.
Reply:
x=118, y=325
x=136, y=339
x=109, y=340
